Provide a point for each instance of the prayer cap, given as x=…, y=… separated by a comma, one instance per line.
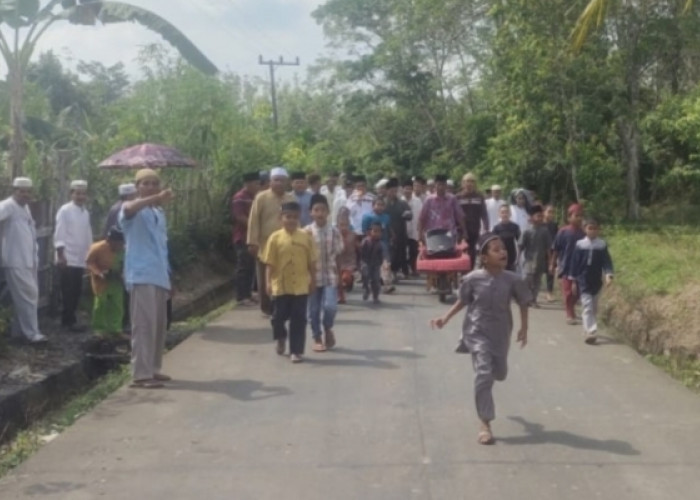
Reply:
x=264, y=176
x=291, y=206
x=450, y=182
x=440, y=178
x=251, y=176
x=392, y=183
x=382, y=183
x=115, y=234
x=79, y=184
x=318, y=198
x=496, y=187
x=146, y=173
x=127, y=189
x=407, y=182
x=576, y=208
x=536, y=209
x=279, y=172
x=297, y=176
x=431, y=182
x=22, y=182
x=419, y=179
x=484, y=240
x=469, y=177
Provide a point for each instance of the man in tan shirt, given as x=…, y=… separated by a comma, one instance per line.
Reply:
x=263, y=221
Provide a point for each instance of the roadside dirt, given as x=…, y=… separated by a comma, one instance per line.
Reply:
x=667, y=325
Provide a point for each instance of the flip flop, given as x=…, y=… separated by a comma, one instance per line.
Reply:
x=330, y=339
x=319, y=347
x=295, y=358
x=146, y=384
x=485, y=438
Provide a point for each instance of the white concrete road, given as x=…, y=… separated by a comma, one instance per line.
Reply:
x=387, y=415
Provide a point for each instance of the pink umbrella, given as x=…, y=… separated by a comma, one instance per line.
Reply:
x=148, y=156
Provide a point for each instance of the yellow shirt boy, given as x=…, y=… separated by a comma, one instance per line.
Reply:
x=291, y=257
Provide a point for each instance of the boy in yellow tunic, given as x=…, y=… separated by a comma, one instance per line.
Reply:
x=290, y=256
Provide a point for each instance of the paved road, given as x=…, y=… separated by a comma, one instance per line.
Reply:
x=388, y=415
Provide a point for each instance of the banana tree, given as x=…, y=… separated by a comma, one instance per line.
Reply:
x=24, y=22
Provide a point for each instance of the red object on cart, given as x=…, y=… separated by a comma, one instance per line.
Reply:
x=460, y=263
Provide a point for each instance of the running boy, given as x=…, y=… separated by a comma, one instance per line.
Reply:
x=374, y=256
x=323, y=301
x=535, y=244
x=590, y=262
x=562, y=254
x=509, y=232
x=488, y=322
x=553, y=228
x=290, y=256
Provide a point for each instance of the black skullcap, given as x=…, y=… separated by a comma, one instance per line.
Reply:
x=484, y=241
x=419, y=179
x=115, y=234
x=407, y=183
x=296, y=176
x=359, y=178
x=536, y=209
x=290, y=206
x=251, y=176
x=264, y=176
x=392, y=183
x=318, y=198
x=440, y=178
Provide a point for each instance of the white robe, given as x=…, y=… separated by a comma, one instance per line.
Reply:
x=416, y=205
x=73, y=233
x=493, y=207
x=359, y=206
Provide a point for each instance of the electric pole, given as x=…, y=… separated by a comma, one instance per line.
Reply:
x=273, y=89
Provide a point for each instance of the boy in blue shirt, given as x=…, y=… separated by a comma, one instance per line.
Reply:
x=590, y=263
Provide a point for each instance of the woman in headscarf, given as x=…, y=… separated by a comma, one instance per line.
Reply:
x=520, y=204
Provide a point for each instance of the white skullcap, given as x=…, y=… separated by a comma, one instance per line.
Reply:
x=22, y=182
x=127, y=189
x=450, y=182
x=279, y=172
x=496, y=187
x=381, y=183
x=79, y=184
x=431, y=181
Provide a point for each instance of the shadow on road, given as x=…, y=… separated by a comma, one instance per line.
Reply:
x=372, y=358
x=229, y=335
x=242, y=390
x=536, y=434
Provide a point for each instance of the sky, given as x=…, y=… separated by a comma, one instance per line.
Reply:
x=231, y=33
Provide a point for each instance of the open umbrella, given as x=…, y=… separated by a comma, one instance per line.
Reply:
x=148, y=156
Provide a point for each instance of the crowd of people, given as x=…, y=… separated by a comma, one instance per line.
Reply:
x=301, y=243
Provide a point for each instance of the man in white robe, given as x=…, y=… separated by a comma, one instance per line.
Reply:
x=72, y=240
x=20, y=259
x=493, y=205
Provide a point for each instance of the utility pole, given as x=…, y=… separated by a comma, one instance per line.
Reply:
x=273, y=88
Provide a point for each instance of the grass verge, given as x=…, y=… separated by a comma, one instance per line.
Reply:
x=686, y=371
x=28, y=441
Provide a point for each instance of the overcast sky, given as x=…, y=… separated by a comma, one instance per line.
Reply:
x=232, y=33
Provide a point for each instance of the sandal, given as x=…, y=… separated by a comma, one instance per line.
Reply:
x=146, y=384
x=319, y=347
x=295, y=358
x=330, y=339
x=162, y=377
x=485, y=437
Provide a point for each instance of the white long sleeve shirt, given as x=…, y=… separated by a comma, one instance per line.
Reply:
x=73, y=233
x=359, y=206
x=492, y=209
x=416, y=205
x=18, y=244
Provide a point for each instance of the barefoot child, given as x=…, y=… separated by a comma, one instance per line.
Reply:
x=324, y=299
x=488, y=322
x=591, y=261
x=290, y=256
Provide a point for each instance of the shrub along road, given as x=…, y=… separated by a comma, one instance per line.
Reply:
x=387, y=415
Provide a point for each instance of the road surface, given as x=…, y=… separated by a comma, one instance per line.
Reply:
x=387, y=415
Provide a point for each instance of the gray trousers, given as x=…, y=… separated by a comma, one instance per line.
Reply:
x=24, y=290
x=487, y=368
x=148, y=304
x=589, y=312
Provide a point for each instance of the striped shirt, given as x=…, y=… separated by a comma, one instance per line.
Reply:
x=330, y=245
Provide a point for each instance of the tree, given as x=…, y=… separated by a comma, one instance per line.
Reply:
x=28, y=20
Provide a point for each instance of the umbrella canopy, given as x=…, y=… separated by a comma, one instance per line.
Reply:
x=148, y=156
